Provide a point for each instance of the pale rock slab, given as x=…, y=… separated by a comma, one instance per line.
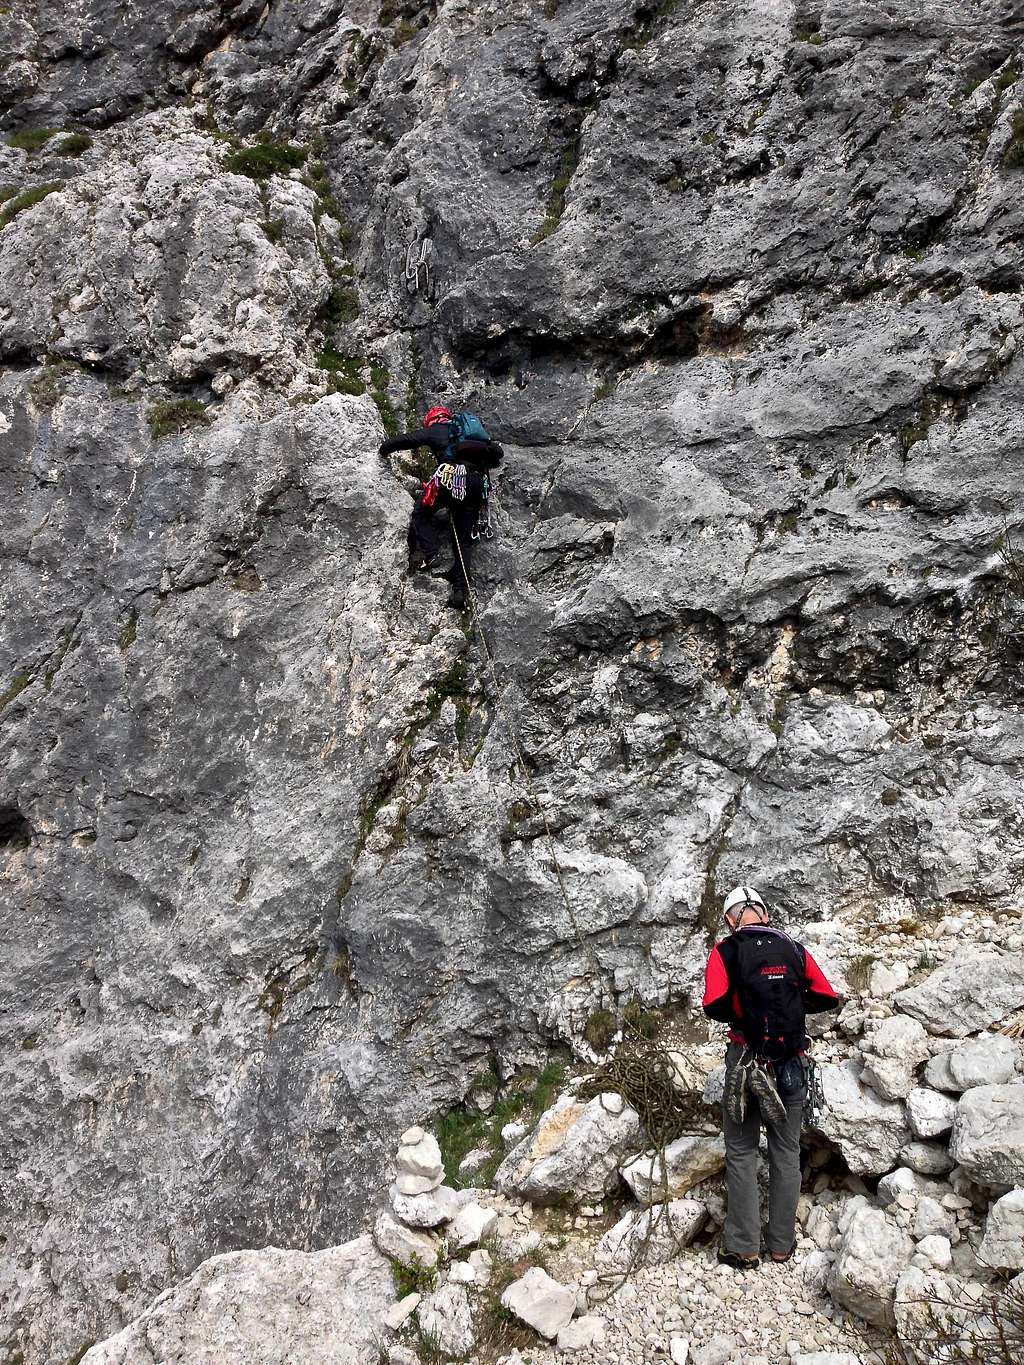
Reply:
x=873, y=1252
x=408, y=1246
x=825, y=1358
x=931, y=1219
x=988, y=1134
x=428, y=1210
x=582, y=1334
x=541, y=1302
x=990, y=1060
x=445, y=1315
x=868, y=1130
x=975, y=988
x=573, y=1152
x=325, y=1307
x=930, y=1114
x=688, y=1160
x=1002, y=1246
x=653, y=1236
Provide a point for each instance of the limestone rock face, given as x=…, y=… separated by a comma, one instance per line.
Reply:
x=742, y=308
x=988, y=1134
x=266, y=1307
x=573, y=1152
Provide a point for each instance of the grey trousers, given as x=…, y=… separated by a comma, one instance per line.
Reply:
x=742, y=1231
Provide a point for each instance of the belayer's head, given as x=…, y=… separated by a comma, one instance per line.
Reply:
x=743, y=907
x=436, y=415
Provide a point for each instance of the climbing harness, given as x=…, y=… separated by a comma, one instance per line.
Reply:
x=419, y=258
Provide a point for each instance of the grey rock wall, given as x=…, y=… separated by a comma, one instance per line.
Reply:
x=739, y=286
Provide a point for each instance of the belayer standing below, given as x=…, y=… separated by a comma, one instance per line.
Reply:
x=460, y=485
x=762, y=983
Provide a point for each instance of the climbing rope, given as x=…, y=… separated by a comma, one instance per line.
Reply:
x=581, y=941
x=415, y=263
x=641, y=1070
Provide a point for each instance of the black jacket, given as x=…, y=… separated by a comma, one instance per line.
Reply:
x=481, y=454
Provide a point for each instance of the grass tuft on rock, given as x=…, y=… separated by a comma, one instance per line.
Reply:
x=172, y=417
x=32, y=139
x=73, y=144
x=13, y=206
x=346, y=371
x=1013, y=156
x=266, y=159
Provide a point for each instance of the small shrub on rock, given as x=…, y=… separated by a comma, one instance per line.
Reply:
x=14, y=205
x=265, y=159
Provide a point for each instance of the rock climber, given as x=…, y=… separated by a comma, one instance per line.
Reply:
x=762, y=983
x=459, y=485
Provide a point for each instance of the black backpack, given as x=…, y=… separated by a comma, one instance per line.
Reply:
x=768, y=974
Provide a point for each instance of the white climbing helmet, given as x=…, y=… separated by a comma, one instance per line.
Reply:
x=743, y=895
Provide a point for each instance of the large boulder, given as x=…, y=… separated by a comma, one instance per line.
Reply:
x=989, y=1060
x=868, y=1130
x=988, y=1134
x=975, y=988
x=873, y=1252
x=654, y=1235
x=1002, y=1246
x=265, y=1307
x=929, y=1306
x=687, y=1161
x=573, y=1153
x=891, y=1052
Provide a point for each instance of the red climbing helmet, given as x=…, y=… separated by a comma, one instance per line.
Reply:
x=436, y=415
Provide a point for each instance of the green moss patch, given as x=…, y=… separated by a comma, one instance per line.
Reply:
x=173, y=417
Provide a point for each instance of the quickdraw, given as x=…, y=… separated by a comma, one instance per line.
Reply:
x=419, y=256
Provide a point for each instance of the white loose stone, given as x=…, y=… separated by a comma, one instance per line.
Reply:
x=930, y=1113
x=931, y=1219
x=472, y=1223
x=679, y=1350
x=400, y=1311
x=461, y=1272
x=873, y=1252
x=418, y=1163
x=936, y=1250
x=541, y=1302
x=655, y=1235
x=868, y=1130
x=581, y=1334
x=405, y=1245
x=926, y=1158
x=428, y=1210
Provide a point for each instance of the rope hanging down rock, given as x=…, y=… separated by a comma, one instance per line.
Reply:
x=499, y=705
